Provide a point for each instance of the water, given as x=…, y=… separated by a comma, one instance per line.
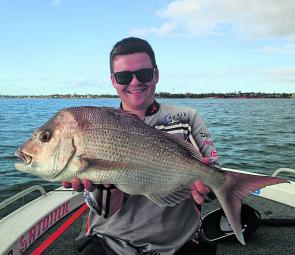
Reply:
x=249, y=134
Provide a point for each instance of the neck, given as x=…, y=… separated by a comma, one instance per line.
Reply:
x=141, y=112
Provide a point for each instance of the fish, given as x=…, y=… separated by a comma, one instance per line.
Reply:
x=111, y=146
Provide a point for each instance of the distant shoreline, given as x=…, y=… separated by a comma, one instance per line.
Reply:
x=161, y=95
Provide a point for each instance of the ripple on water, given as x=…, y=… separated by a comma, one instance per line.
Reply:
x=251, y=135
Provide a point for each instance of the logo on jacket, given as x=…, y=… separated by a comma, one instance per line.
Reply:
x=90, y=201
x=172, y=118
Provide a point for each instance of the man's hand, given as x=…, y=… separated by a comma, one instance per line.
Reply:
x=79, y=185
x=200, y=190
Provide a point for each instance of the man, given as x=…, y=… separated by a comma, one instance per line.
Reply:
x=130, y=224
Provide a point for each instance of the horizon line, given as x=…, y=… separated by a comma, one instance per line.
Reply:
x=160, y=94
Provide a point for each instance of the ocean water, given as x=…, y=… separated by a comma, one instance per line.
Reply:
x=249, y=134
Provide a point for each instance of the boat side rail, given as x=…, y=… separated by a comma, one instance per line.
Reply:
x=283, y=170
x=21, y=194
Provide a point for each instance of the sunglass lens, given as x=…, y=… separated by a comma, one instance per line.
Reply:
x=123, y=78
x=145, y=75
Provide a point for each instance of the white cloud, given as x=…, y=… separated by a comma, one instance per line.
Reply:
x=257, y=19
x=82, y=82
x=285, y=74
x=162, y=31
x=263, y=18
x=181, y=9
x=84, y=85
x=59, y=2
x=287, y=49
x=55, y=2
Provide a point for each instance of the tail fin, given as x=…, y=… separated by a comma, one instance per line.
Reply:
x=235, y=187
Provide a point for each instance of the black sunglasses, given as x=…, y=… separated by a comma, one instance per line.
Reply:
x=142, y=75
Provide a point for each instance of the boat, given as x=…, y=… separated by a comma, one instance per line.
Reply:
x=53, y=222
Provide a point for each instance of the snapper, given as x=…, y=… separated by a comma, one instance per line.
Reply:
x=110, y=146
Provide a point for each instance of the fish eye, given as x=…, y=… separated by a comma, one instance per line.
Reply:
x=45, y=136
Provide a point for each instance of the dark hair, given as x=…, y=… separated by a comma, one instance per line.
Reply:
x=132, y=45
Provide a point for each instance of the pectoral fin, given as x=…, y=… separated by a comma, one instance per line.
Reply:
x=101, y=171
x=102, y=164
x=171, y=199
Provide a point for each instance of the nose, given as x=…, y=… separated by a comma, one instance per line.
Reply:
x=134, y=81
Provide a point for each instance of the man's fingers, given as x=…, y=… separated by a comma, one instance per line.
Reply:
x=199, y=191
x=77, y=184
x=205, y=161
x=198, y=197
x=89, y=186
x=66, y=185
x=201, y=188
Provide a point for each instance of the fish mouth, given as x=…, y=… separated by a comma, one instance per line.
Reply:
x=27, y=159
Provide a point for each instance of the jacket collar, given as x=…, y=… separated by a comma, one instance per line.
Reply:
x=151, y=110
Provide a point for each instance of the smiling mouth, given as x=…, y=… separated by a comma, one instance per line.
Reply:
x=136, y=91
x=23, y=156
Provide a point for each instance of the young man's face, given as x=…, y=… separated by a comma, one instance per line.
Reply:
x=136, y=95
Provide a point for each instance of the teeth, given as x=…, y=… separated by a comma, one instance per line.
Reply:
x=135, y=91
x=25, y=157
x=19, y=154
x=28, y=159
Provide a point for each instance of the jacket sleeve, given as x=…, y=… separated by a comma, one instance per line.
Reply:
x=105, y=201
x=201, y=138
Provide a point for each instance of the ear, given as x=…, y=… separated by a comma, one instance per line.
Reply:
x=113, y=79
x=156, y=76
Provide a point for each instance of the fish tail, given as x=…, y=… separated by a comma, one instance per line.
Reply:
x=235, y=187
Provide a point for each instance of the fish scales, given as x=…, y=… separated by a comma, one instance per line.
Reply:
x=142, y=158
x=110, y=146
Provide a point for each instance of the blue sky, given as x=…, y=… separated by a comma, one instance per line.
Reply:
x=62, y=46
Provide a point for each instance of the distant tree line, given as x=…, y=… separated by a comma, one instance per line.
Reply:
x=61, y=96
x=167, y=95
x=225, y=95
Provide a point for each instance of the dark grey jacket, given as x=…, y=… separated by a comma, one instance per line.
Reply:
x=131, y=224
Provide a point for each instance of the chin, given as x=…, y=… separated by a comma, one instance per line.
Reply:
x=141, y=103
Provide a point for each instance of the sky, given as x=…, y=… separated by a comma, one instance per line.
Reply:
x=201, y=46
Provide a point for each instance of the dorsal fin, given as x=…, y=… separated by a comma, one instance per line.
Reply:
x=193, y=151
